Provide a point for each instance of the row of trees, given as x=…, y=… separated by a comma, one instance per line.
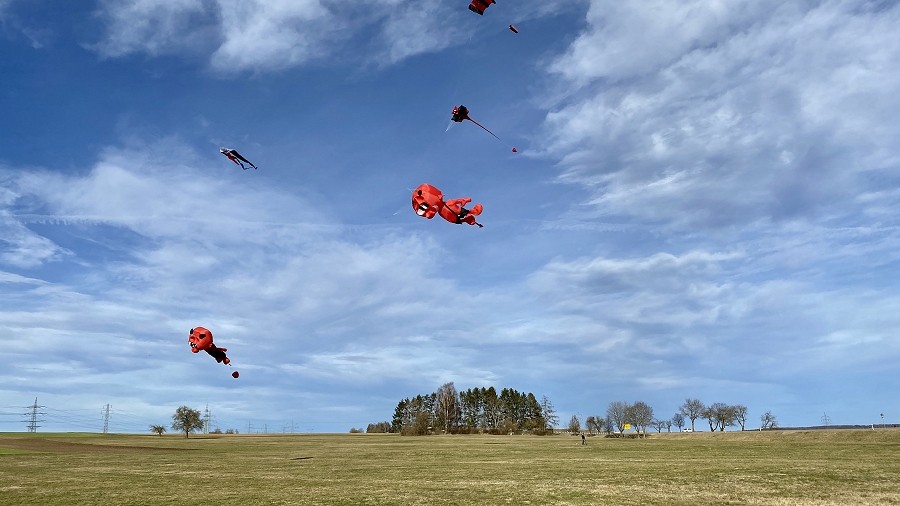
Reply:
x=484, y=410
x=719, y=415
x=640, y=416
x=473, y=410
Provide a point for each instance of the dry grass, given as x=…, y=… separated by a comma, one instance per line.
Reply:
x=771, y=468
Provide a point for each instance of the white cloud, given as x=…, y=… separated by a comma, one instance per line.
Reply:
x=413, y=28
x=271, y=35
x=267, y=34
x=629, y=40
x=695, y=115
x=153, y=26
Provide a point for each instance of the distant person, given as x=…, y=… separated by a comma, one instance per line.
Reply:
x=583, y=439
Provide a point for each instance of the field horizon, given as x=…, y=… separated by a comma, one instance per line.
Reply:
x=782, y=467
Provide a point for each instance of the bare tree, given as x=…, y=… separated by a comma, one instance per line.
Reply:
x=709, y=413
x=186, y=420
x=158, y=429
x=615, y=415
x=768, y=420
x=447, y=411
x=659, y=425
x=740, y=415
x=594, y=423
x=640, y=414
x=692, y=409
x=549, y=413
x=678, y=420
x=724, y=415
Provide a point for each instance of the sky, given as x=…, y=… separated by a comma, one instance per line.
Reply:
x=704, y=204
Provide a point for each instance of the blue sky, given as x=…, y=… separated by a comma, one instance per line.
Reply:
x=704, y=205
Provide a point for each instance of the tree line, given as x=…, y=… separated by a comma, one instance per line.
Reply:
x=510, y=411
x=639, y=416
x=471, y=411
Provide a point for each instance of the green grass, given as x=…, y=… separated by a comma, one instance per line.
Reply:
x=838, y=467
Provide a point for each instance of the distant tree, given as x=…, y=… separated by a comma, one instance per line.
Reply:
x=534, y=417
x=186, y=420
x=574, y=425
x=354, y=430
x=419, y=426
x=615, y=415
x=549, y=413
x=447, y=412
x=692, y=409
x=720, y=415
x=512, y=410
x=608, y=425
x=378, y=428
x=419, y=416
x=594, y=424
x=216, y=431
x=709, y=413
x=158, y=429
x=471, y=406
x=492, y=415
x=659, y=425
x=768, y=420
x=668, y=424
x=640, y=414
x=400, y=415
x=678, y=420
x=740, y=415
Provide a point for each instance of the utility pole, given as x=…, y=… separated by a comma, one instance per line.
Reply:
x=106, y=419
x=206, y=420
x=33, y=420
x=825, y=419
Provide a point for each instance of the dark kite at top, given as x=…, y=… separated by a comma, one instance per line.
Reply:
x=478, y=6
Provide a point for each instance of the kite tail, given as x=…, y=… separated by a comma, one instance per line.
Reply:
x=514, y=150
x=485, y=129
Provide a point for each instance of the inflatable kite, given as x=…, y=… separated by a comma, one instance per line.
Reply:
x=478, y=6
x=461, y=113
x=236, y=157
x=513, y=29
x=428, y=201
x=201, y=339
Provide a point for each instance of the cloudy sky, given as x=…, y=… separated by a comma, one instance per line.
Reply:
x=704, y=205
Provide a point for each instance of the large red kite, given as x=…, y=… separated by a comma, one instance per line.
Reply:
x=201, y=339
x=428, y=201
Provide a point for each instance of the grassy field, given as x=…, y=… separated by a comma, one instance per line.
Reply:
x=839, y=467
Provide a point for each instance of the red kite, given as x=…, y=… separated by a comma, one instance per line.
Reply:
x=428, y=201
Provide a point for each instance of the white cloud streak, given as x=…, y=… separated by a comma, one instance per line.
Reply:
x=725, y=113
x=272, y=35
